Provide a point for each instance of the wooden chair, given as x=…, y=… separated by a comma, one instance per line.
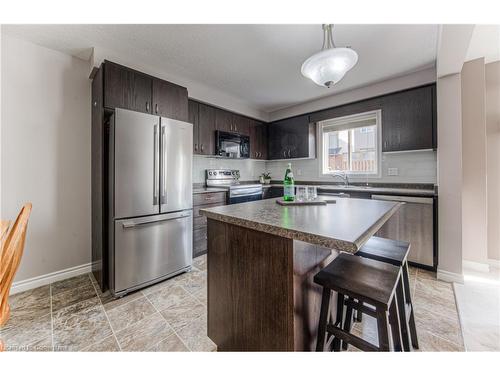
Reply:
x=11, y=251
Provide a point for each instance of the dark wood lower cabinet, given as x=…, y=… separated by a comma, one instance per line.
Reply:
x=200, y=201
x=261, y=294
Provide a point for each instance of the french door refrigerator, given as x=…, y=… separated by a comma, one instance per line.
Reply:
x=150, y=183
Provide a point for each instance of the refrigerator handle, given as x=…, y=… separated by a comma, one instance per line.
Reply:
x=163, y=199
x=156, y=167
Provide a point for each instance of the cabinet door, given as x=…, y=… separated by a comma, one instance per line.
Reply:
x=170, y=100
x=262, y=136
x=254, y=140
x=194, y=119
x=206, y=129
x=126, y=88
x=241, y=124
x=223, y=120
x=289, y=138
x=407, y=119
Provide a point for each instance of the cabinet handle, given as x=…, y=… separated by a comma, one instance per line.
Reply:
x=196, y=147
x=147, y=106
x=289, y=152
x=284, y=153
x=202, y=147
x=156, y=108
x=95, y=104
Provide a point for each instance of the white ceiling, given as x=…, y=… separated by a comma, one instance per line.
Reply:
x=485, y=42
x=259, y=64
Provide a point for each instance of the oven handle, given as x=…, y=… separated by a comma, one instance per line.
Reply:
x=240, y=192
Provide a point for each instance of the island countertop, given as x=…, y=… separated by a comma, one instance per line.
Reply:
x=345, y=225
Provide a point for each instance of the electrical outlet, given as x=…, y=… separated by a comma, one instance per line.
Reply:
x=392, y=172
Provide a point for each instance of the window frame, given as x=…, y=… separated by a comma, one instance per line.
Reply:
x=340, y=121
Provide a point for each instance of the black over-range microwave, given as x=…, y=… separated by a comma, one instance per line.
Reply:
x=232, y=145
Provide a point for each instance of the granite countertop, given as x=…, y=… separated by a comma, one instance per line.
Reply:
x=202, y=190
x=372, y=189
x=345, y=225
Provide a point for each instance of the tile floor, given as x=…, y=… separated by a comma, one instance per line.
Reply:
x=73, y=315
x=478, y=300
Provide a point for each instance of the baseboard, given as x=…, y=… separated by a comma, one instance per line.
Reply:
x=450, y=277
x=494, y=263
x=476, y=266
x=35, y=282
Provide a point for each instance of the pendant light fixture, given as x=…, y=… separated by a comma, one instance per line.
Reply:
x=329, y=66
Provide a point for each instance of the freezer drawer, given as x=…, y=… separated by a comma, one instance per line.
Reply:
x=150, y=248
x=414, y=223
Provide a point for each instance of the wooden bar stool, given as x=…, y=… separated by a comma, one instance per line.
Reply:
x=395, y=253
x=358, y=282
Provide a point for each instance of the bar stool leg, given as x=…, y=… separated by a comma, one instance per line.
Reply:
x=383, y=334
x=359, y=314
x=407, y=292
x=323, y=319
x=395, y=329
x=347, y=323
x=400, y=298
x=336, y=344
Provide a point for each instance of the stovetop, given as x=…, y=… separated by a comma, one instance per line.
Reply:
x=227, y=178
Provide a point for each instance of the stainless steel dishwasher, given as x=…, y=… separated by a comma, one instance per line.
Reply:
x=414, y=223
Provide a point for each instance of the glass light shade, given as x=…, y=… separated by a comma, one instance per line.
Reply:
x=329, y=66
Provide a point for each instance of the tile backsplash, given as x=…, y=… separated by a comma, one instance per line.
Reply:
x=249, y=169
x=409, y=167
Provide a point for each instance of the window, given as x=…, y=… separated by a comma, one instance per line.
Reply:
x=351, y=144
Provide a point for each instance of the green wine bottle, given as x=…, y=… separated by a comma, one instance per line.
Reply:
x=288, y=185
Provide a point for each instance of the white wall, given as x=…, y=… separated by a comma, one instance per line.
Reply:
x=449, y=114
x=45, y=154
x=390, y=85
x=493, y=157
x=414, y=167
x=474, y=205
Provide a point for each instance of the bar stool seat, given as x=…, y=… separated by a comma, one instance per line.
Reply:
x=395, y=253
x=359, y=281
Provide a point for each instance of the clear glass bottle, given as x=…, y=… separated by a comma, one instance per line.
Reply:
x=288, y=185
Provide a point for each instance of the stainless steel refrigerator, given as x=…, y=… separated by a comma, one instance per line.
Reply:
x=150, y=183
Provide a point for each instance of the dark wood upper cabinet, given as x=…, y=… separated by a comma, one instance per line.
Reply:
x=408, y=120
x=258, y=140
x=206, y=129
x=126, y=88
x=170, y=100
x=193, y=118
x=291, y=138
x=223, y=120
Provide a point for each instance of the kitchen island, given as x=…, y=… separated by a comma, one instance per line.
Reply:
x=261, y=261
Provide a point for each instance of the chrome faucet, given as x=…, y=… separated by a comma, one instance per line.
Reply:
x=343, y=176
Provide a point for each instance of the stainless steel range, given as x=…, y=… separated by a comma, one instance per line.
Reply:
x=229, y=179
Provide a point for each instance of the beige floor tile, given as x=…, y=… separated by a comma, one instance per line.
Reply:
x=73, y=296
x=43, y=344
x=167, y=296
x=441, y=306
x=130, y=313
x=80, y=325
x=72, y=283
x=184, y=312
x=432, y=343
x=28, y=305
x=109, y=344
x=434, y=288
x=195, y=337
x=171, y=344
x=193, y=281
x=144, y=334
x=202, y=296
x=30, y=334
x=200, y=262
x=424, y=274
x=447, y=328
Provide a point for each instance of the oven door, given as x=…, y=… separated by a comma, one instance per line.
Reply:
x=245, y=195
